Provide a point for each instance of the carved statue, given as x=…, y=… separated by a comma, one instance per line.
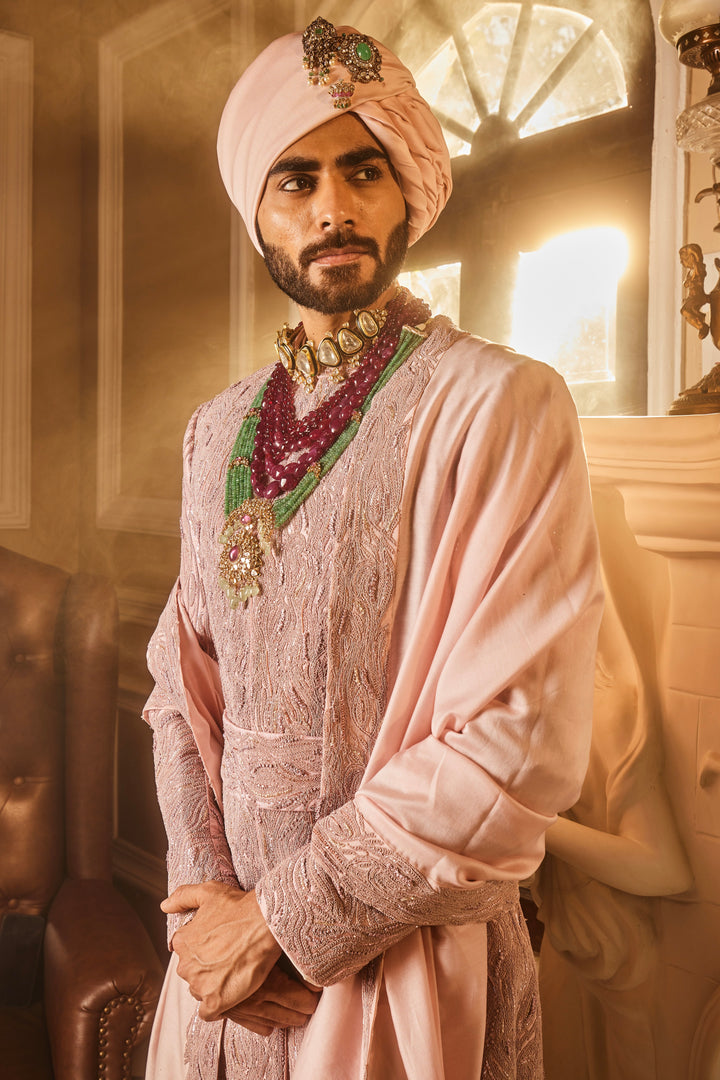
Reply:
x=703, y=396
x=619, y=847
x=696, y=298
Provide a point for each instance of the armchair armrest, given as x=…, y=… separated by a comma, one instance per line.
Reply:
x=102, y=982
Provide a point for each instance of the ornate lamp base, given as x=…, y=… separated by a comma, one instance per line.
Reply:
x=700, y=48
x=703, y=397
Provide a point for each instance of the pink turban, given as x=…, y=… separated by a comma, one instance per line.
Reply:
x=272, y=106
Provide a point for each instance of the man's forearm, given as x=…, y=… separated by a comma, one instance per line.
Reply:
x=347, y=897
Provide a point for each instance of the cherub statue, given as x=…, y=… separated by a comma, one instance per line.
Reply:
x=691, y=257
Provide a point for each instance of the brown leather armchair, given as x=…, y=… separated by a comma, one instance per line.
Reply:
x=98, y=976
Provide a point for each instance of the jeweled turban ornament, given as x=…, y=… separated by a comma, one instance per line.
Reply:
x=323, y=46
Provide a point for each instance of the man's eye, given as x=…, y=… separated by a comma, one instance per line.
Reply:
x=296, y=183
x=367, y=172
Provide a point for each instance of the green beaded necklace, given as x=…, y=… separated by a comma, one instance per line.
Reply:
x=252, y=522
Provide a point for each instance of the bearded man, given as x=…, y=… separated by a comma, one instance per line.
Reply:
x=373, y=694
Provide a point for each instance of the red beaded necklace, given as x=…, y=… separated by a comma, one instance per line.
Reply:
x=278, y=460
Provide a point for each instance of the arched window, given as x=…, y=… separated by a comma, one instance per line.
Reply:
x=547, y=110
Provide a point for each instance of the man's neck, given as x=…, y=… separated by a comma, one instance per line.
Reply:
x=317, y=325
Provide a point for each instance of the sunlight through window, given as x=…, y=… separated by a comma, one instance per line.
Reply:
x=565, y=301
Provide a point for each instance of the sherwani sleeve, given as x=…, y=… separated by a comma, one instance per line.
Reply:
x=486, y=734
x=197, y=848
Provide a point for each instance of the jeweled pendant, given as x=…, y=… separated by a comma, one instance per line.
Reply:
x=284, y=350
x=341, y=92
x=349, y=341
x=246, y=540
x=319, y=42
x=361, y=57
x=328, y=354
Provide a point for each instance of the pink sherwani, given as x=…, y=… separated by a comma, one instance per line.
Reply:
x=404, y=711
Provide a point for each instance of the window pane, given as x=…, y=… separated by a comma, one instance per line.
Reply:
x=569, y=85
x=490, y=33
x=565, y=301
x=553, y=32
x=594, y=85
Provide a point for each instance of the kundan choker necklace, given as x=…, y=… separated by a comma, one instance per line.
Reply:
x=338, y=353
x=277, y=460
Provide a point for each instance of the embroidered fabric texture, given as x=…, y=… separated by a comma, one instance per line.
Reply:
x=196, y=850
x=513, y=1036
x=367, y=895
x=304, y=697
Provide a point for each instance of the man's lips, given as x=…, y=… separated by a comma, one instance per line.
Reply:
x=339, y=256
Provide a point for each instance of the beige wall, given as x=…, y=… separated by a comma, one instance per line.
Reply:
x=139, y=278
x=54, y=184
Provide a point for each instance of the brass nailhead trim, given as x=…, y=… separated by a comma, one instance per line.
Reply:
x=124, y=999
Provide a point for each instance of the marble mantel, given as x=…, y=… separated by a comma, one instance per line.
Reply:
x=668, y=470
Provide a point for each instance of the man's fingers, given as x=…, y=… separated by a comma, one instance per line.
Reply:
x=190, y=897
x=287, y=993
x=184, y=898
x=267, y=1013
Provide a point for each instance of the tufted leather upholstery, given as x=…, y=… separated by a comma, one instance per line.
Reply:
x=58, y=683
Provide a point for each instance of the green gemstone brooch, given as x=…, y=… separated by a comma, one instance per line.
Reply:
x=323, y=46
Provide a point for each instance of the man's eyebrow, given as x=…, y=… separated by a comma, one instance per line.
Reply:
x=294, y=164
x=359, y=156
x=343, y=161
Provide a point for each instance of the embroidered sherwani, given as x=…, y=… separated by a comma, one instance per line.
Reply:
x=405, y=709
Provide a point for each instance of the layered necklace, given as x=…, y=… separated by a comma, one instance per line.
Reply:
x=277, y=460
x=337, y=353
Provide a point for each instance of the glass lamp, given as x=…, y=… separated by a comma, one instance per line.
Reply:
x=693, y=27
x=681, y=17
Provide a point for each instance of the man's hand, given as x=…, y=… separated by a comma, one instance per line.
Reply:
x=227, y=951
x=281, y=1002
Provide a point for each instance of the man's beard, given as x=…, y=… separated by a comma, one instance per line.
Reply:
x=339, y=290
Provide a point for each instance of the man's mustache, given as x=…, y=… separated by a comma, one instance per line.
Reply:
x=337, y=242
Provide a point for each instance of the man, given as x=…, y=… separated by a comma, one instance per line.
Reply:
x=373, y=694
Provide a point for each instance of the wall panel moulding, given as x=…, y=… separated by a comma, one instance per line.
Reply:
x=16, y=73
x=139, y=868
x=141, y=606
x=116, y=508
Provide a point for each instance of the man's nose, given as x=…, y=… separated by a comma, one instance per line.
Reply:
x=334, y=204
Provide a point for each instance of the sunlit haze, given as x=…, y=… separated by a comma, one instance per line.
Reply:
x=565, y=300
